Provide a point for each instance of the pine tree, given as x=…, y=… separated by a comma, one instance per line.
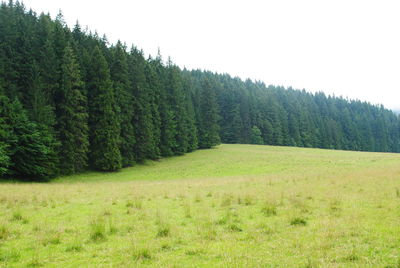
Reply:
x=103, y=122
x=72, y=116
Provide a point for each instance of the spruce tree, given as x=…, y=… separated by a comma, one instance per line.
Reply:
x=167, y=122
x=103, y=121
x=176, y=101
x=154, y=84
x=190, y=116
x=142, y=118
x=124, y=99
x=209, y=128
x=4, y=129
x=72, y=116
x=256, y=136
x=31, y=149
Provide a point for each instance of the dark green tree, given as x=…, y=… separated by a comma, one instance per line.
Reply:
x=31, y=149
x=104, y=127
x=142, y=119
x=209, y=128
x=72, y=116
x=4, y=129
x=176, y=101
x=125, y=103
x=256, y=136
x=154, y=86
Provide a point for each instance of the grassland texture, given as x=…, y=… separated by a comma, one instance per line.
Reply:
x=232, y=206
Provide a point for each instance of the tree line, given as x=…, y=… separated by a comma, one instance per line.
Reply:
x=70, y=101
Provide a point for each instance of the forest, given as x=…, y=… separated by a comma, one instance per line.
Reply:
x=70, y=101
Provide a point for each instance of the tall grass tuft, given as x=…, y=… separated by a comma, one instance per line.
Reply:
x=298, y=221
x=142, y=254
x=4, y=232
x=163, y=230
x=269, y=209
x=98, y=230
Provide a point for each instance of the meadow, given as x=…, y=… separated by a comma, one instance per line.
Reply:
x=231, y=206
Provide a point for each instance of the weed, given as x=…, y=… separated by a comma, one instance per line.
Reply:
x=187, y=211
x=9, y=256
x=248, y=200
x=334, y=206
x=265, y=229
x=53, y=239
x=4, y=232
x=165, y=246
x=352, y=257
x=142, y=254
x=97, y=230
x=226, y=201
x=268, y=209
x=74, y=247
x=138, y=203
x=129, y=204
x=234, y=228
x=17, y=216
x=298, y=221
x=163, y=231
x=193, y=252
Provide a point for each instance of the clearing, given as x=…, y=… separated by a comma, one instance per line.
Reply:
x=232, y=206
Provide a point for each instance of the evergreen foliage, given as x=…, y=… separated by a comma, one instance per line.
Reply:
x=103, y=121
x=124, y=99
x=72, y=116
x=30, y=147
x=70, y=101
x=256, y=136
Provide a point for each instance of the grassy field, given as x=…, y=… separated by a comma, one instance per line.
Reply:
x=232, y=206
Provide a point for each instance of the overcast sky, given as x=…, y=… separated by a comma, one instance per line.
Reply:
x=347, y=47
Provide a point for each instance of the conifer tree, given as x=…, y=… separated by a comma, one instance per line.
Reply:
x=31, y=149
x=176, y=101
x=142, y=118
x=190, y=114
x=168, y=124
x=124, y=99
x=154, y=85
x=103, y=122
x=209, y=129
x=256, y=136
x=72, y=116
x=4, y=129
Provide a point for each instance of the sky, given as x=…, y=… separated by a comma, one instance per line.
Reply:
x=348, y=48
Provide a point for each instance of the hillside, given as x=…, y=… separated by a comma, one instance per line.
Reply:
x=71, y=102
x=232, y=206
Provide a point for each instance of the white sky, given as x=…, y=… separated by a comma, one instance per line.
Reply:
x=347, y=47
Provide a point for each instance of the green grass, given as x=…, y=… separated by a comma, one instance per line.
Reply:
x=232, y=206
